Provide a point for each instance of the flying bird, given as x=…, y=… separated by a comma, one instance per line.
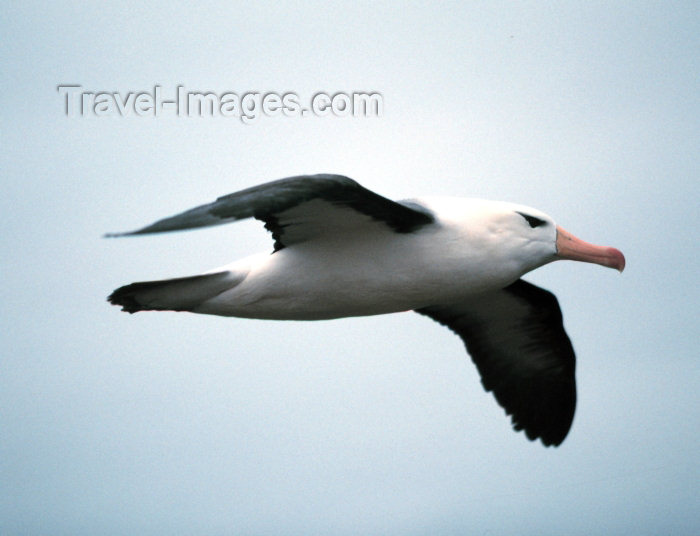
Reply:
x=342, y=250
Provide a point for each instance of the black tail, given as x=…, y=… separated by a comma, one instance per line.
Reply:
x=180, y=294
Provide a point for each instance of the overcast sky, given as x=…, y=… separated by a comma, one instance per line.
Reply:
x=173, y=423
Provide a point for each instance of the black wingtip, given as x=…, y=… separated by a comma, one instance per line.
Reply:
x=549, y=441
x=121, y=235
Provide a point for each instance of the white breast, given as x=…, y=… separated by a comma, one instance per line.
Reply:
x=374, y=272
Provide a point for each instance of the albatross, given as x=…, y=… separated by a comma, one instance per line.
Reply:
x=341, y=250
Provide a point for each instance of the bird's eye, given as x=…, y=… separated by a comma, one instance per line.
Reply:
x=534, y=222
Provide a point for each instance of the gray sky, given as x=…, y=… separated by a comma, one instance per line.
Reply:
x=166, y=423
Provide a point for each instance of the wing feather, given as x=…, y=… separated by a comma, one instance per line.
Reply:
x=307, y=198
x=516, y=338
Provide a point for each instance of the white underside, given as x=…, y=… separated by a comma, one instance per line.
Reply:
x=371, y=272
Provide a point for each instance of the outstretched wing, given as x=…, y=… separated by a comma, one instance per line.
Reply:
x=298, y=208
x=517, y=341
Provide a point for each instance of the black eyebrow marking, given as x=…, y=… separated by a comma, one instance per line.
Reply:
x=534, y=222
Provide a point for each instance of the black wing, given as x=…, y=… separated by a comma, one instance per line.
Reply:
x=517, y=341
x=297, y=208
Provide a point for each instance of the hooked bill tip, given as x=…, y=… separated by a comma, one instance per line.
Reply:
x=617, y=259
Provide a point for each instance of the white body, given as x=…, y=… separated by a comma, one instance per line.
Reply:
x=374, y=270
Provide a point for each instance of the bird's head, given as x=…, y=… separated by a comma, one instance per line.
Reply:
x=546, y=241
x=508, y=240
